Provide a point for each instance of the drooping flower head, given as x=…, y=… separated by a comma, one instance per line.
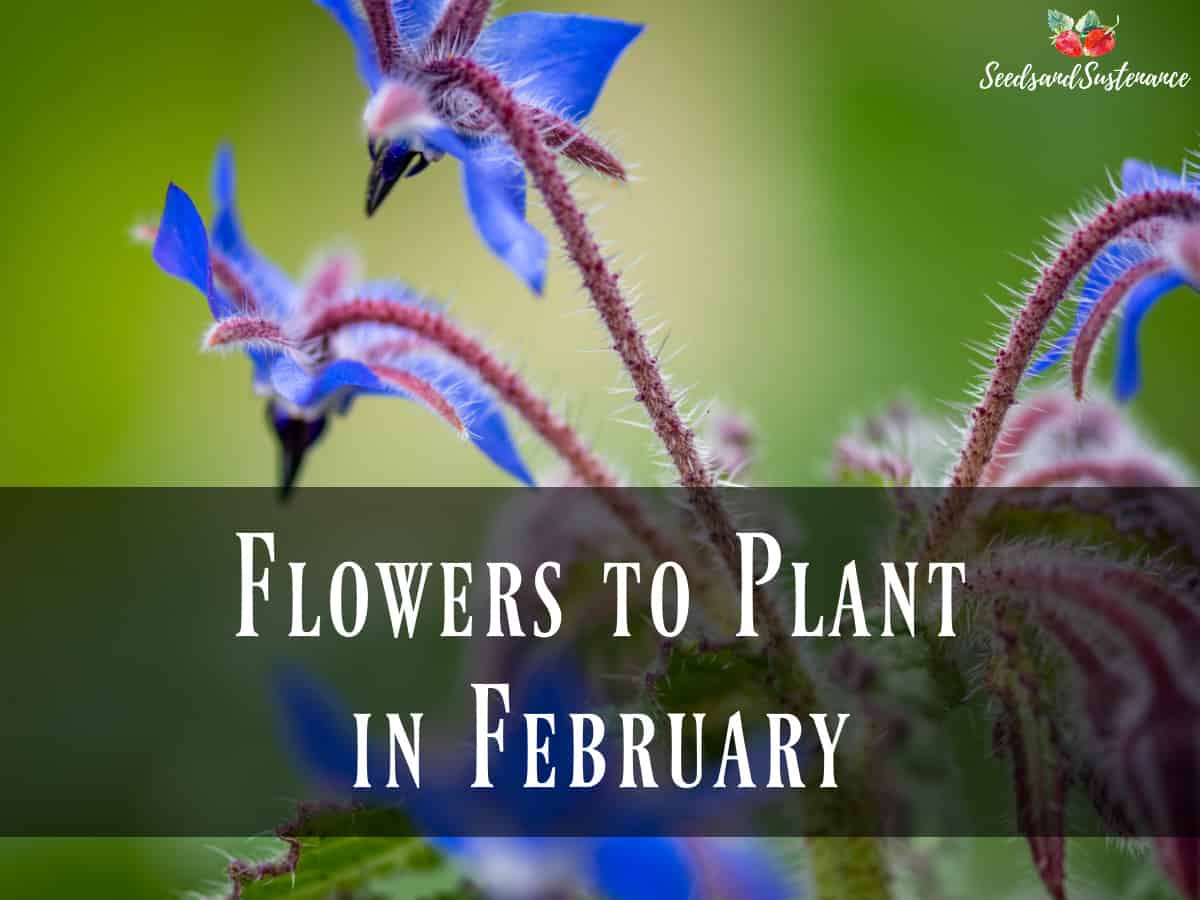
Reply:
x=257, y=308
x=1132, y=274
x=556, y=65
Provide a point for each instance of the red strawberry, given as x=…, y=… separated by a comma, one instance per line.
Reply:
x=1100, y=41
x=1069, y=44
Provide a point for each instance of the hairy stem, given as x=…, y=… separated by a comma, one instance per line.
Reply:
x=1013, y=360
x=1093, y=327
x=382, y=21
x=460, y=25
x=628, y=340
x=600, y=281
x=515, y=391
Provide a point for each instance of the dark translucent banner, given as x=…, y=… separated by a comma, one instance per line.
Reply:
x=559, y=662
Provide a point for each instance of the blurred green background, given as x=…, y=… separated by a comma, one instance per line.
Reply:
x=824, y=200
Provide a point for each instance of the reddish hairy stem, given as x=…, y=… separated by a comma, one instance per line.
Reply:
x=327, y=284
x=224, y=272
x=460, y=25
x=442, y=333
x=575, y=144
x=1090, y=333
x=1013, y=360
x=628, y=340
x=585, y=252
x=381, y=19
x=401, y=346
x=423, y=391
x=245, y=330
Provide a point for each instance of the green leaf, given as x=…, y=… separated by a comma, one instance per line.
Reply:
x=335, y=864
x=1059, y=22
x=1089, y=22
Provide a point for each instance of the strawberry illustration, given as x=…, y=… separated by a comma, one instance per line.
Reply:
x=1100, y=41
x=1069, y=44
x=1062, y=32
x=1087, y=35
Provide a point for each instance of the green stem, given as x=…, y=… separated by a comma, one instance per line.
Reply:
x=849, y=869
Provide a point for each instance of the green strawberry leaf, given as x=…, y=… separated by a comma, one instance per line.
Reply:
x=1089, y=22
x=1059, y=22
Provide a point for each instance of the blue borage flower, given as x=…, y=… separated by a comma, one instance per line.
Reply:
x=1135, y=272
x=556, y=64
x=257, y=308
x=644, y=866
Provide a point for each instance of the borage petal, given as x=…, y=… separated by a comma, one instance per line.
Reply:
x=316, y=726
x=346, y=15
x=1110, y=265
x=268, y=283
x=415, y=19
x=642, y=869
x=181, y=249
x=478, y=408
x=561, y=61
x=1138, y=176
x=247, y=332
x=447, y=391
x=1128, y=379
x=495, y=187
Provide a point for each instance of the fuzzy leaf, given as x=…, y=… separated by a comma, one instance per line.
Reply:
x=1088, y=22
x=1031, y=739
x=311, y=867
x=717, y=681
x=1059, y=22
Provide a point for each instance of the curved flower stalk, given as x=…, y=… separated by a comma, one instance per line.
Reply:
x=529, y=867
x=1131, y=275
x=350, y=314
x=1148, y=209
x=1119, y=627
x=440, y=82
x=306, y=380
x=556, y=64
